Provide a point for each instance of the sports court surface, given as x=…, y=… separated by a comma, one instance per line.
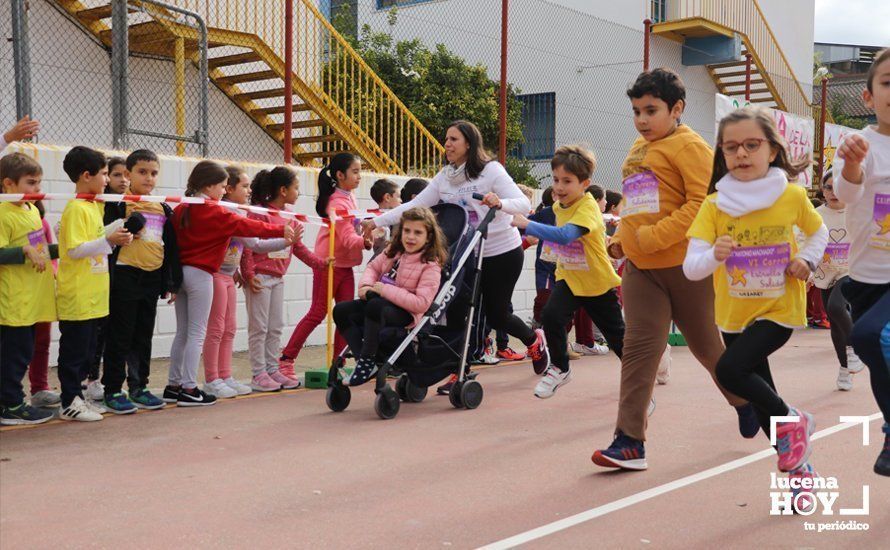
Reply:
x=283, y=471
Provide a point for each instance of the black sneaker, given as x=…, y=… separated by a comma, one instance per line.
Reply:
x=171, y=394
x=194, y=398
x=749, y=425
x=23, y=414
x=882, y=465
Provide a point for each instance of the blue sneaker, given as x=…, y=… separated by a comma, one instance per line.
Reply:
x=119, y=404
x=144, y=399
x=748, y=423
x=23, y=414
x=806, y=503
x=624, y=452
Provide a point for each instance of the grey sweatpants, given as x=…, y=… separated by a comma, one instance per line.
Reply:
x=265, y=320
x=192, y=311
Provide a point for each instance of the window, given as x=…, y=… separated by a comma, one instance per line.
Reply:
x=538, y=126
x=659, y=10
x=386, y=4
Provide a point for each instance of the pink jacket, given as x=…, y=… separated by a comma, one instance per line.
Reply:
x=253, y=262
x=348, y=244
x=417, y=282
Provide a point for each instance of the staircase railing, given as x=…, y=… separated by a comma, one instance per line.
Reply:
x=746, y=18
x=330, y=66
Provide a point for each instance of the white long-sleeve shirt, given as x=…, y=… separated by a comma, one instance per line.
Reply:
x=502, y=237
x=868, y=210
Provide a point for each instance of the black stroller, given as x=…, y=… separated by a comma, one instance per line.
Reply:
x=437, y=345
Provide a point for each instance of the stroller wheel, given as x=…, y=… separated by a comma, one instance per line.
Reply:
x=338, y=397
x=409, y=392
x=455, y=395
x=471, y=394
x=387, y=403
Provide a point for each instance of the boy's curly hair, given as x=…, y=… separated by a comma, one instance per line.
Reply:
x=662, y=83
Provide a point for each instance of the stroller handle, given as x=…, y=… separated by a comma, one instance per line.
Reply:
x=483, y=225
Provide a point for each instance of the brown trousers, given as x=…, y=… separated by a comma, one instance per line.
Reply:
x=652, y=298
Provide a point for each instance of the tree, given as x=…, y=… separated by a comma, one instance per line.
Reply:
x=436, y=85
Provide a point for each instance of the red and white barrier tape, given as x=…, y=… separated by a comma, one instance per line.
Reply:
x=105, y=197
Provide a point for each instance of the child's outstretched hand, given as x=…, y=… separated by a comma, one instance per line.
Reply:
x=120, y=237
x=368, y=229
x=289, y=234
x=519, y=221
x=854, y=149
x=723, y=247
x=798, y=269
x=38, y=260
x=23, y=129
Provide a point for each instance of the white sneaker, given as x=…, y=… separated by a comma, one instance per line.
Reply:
x=595, y=349
x=844, y=379
x=552, y=379
x=664, y=367
x=95, y=391
x=96, y=406
x=80, y=411
x=46, y=399
x=651, y=408
x=240, y=389
x=488, y=359
x=219, y=389
x=854, y=363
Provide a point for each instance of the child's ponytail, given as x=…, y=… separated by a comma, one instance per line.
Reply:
x=327, y=180
x=204, y=174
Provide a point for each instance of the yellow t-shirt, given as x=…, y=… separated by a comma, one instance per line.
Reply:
x=583, y=263
x=751, y=284
x=146, y=252
x=26, y=296
x=83, y=284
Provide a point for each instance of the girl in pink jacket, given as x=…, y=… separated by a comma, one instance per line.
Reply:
x=395, y=290
x=336, y=182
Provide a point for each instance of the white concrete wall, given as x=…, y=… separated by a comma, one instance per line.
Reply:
x=792, y=22
x=298, y=281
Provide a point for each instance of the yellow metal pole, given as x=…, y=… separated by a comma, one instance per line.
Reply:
x=330, y=347
x=179, y=59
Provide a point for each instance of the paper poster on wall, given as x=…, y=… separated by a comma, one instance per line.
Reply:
x=833, y=135
x=799, y=132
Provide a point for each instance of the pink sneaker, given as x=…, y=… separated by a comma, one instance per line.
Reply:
x=806, y=502
x=793, y=440
x=264, y=382
x=286, y=383
x=287, y=368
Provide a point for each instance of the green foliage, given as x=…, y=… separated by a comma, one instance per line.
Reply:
x=521, y=172
x=835, y=107
x=436, y=85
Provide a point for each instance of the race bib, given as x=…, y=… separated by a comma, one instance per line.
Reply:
x=640, y=194
x=881, y=218
x=233, y=253
x=37, y=239
x=547, y=252
x=758, y=271
x=571, y=256
x=153, y=232
x=282, y=254
x=837, y=255
x=98, y=264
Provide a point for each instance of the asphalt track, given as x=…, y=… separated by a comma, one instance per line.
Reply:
x=283, y=471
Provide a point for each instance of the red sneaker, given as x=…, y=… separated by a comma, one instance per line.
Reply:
x=507, y=354
x=539, y=353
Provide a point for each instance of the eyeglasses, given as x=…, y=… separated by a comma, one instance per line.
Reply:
x=828, y=186
x=750, y=145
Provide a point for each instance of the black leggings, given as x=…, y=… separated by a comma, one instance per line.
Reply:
x=743, y=369
x=604, y=310
x=360, y=321
x=499, y=276
x=838, y=311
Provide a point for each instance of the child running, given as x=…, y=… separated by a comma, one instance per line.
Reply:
x=336, y=183
x=27, y=288
x=666, y=179
x=203, y=232
x=862, y=177
x=263, y=274
x=395, y=290
x=584, y=275
x=829, y=278
x=744, y=236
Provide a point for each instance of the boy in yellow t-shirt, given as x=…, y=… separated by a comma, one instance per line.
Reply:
x=584, y=276
x=27, y=289
x=82, y=291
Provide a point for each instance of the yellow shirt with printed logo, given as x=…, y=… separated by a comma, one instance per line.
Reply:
x=583, y=264
x=751, y=285
x=26, y=296
x=82, y=284
x=146, y=252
